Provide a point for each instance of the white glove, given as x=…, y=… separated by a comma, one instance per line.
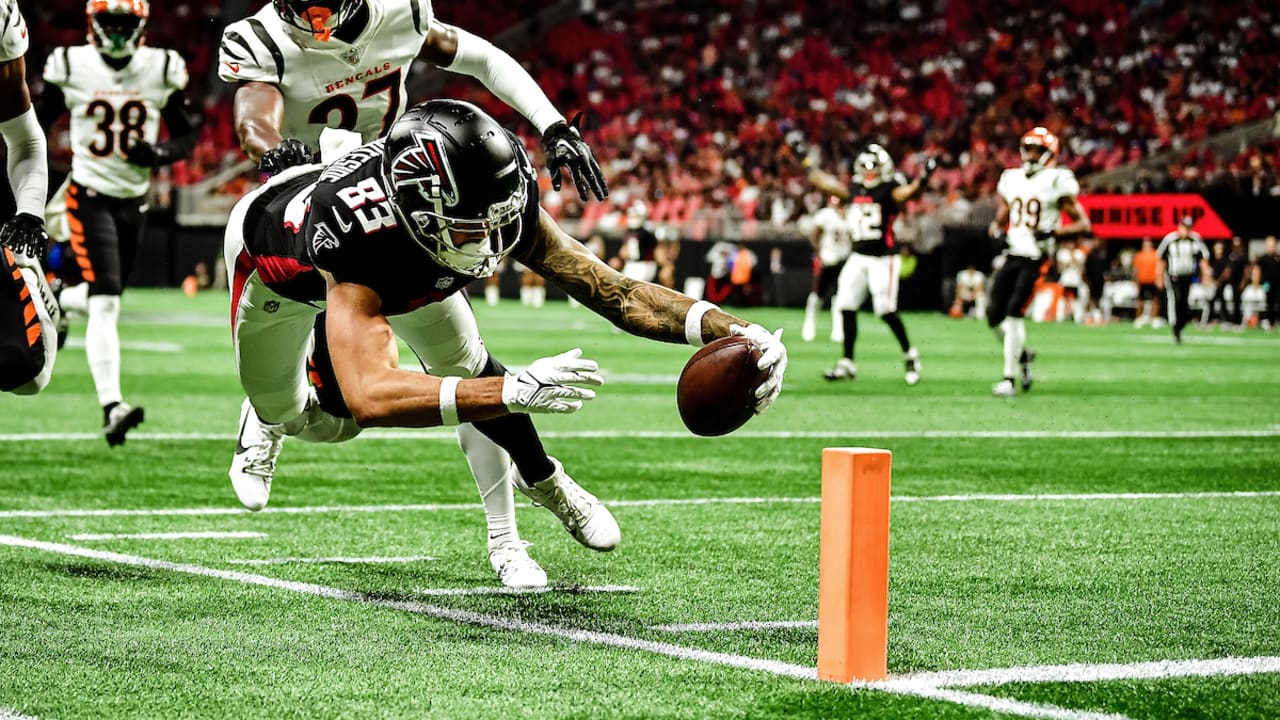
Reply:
x=552, y=384
x=773, y=357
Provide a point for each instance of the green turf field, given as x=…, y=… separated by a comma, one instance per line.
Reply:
x=1064, y=547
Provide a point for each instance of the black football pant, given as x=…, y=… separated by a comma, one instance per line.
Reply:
x=105, y=234
x=1011, y=288
x=1178, y=290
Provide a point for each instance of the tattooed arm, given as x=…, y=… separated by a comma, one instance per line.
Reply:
x=640, y=308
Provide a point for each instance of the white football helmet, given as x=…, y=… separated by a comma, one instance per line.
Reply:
x=873, y=166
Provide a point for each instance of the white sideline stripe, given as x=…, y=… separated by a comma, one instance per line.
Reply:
x=334, y=560
x=747, y=625
x=6, y=714
x=575, y=589
x=1086, y=672
x=169, y=536
x=586, y=636
x=995, y=704
x=742, y=434
x=440, y=507
x=139, y=345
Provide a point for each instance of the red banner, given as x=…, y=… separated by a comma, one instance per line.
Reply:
x=1132, y=217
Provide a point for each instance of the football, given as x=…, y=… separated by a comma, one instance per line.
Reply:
x=716, y=392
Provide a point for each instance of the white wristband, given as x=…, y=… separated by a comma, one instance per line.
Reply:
x=449, y=400
x=693, y=322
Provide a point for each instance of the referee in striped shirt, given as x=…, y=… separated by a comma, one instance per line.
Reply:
x=1181, y=251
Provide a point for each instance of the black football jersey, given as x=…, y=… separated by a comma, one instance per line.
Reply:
x=870, y=215
x=345, y=226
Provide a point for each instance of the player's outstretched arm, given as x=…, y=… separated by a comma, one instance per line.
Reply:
x=457, y=50
x=904, y=193
x=828, y=183
x=380, y=394
x=645, y=309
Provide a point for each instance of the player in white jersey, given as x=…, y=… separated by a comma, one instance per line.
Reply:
x=1070, y=262
x=116, y=91
x=831, y=246
x=1031, y=201
x=28, y=313
x=303, y=65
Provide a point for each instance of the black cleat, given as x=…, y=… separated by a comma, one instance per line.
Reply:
x=122, y=418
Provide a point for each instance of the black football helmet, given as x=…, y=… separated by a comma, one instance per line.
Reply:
x=459, y=184
x=318, y=18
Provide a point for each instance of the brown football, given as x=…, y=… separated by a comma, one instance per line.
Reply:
x=716, y=392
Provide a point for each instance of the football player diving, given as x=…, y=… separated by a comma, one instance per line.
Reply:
x=28, y=312
x=386, y=238
x=116, y=91
x=303, y=65
x=1031, y=201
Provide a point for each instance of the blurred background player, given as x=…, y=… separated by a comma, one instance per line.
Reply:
x=831, y=247
x=1146, y=275
x=1070, y=262
x=29, y=315
x=1031, y=201
x=116, y=91
x=639, y=245
x=971, y=293
x=1269, y=264
x=1095, y=278
x=1181, y=252
x=874, y=199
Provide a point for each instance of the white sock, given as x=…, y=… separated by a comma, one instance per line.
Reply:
x=539, y=293
x=1015, y=338
x=102, y=345
x=811, y=309
x=75, y=299
x=491, y=295
x=491, y=467
x=525, y=297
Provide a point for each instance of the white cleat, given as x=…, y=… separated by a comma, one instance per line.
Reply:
x=510, y=560
x=1004, y=388
x=844, y=370
x=254, y=464
x=913, y=367
x=583, y=515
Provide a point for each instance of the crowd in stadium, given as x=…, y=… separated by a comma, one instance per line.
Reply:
x=691, y=107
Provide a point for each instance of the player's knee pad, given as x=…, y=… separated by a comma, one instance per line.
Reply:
x=469, y=361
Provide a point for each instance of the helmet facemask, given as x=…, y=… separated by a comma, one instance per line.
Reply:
x=873, y=166
x=1035, y=156
x=116, y=28
x=425, y=200
x=317, y=18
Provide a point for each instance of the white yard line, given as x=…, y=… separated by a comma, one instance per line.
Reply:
x=212, y=535
x=571, y=589
x=6, y=714
x=1088, y=672
x=737, y=626
x=1033, y=710
x=660, y=502
x=849, y=435
x=334, y=560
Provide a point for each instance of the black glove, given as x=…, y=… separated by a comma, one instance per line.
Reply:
x=802, y=150
x=564, y=147
x=144, y=154
x=289, y=153
x=926, y=170
x=25, y=235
